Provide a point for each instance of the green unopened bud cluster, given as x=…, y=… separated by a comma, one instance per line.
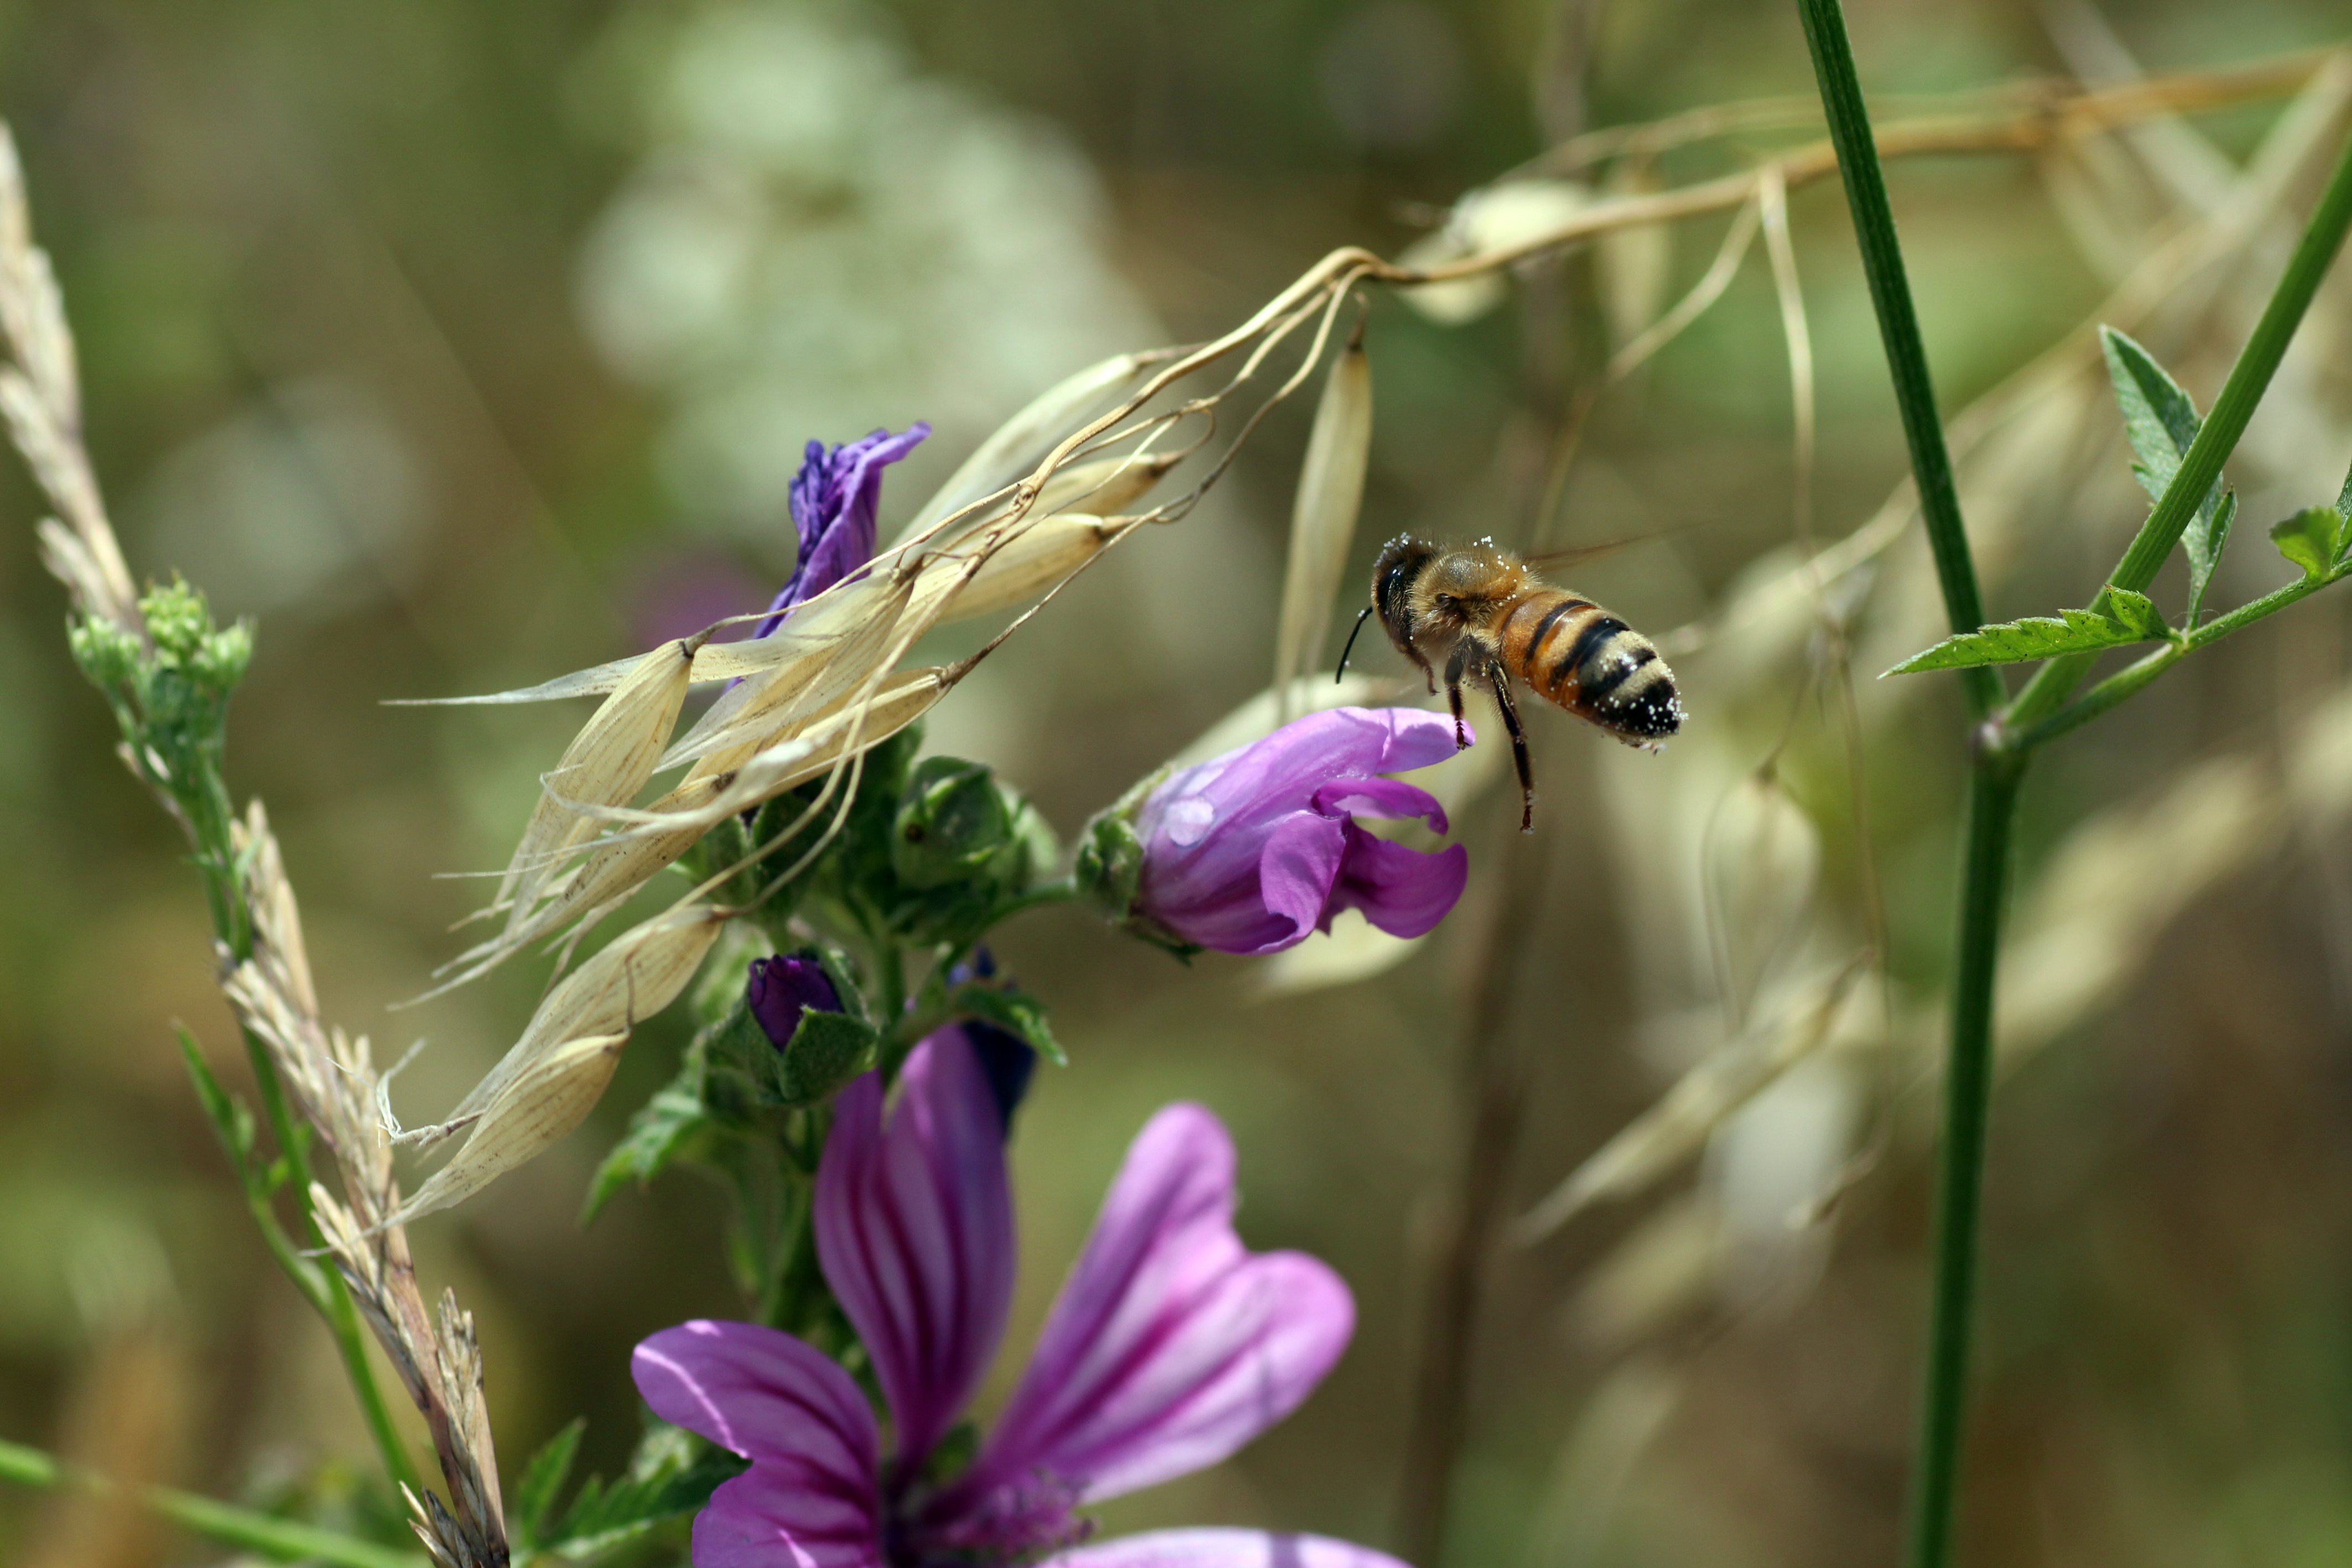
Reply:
x=170, y=692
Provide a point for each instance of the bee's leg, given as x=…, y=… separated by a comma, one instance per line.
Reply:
x=1501, y=680
x=1455, y=668
x=1425, y=670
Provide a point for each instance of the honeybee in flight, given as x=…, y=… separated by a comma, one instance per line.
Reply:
x=1487, y=617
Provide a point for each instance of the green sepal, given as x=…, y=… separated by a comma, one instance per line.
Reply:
x=2314, y=539
x=1011, y=1009
x=1110, y=864
x=2135, y=619
x=952, y=825
x=748, y=1071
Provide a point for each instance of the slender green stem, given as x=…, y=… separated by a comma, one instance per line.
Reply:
x=1993, y=801
x=282, y=1540
x=1959, y=1179
x=1898, y=327
x=2216, y=438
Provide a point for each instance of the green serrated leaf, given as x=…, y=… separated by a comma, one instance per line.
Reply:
x=668, y=1478
x=542, y=1482
x=2159, y=419
x=662, y=1128
x=2139, y=612
x=2309, y=538
x=2344, y=496
x=2035, y=637
x=1013, y=1010
x=2203, y=540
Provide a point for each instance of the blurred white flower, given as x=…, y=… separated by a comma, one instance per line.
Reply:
x=817, y=241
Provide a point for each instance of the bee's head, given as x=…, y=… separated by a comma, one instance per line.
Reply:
x=1401, y=563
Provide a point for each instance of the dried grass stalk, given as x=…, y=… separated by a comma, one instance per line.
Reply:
x=1323, y=518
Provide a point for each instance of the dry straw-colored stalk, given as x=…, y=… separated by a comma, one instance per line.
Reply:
x=329, y=1076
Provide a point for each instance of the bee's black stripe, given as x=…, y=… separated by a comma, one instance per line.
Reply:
x=1588, y=642
x=1609, y=682
x=1543, y=627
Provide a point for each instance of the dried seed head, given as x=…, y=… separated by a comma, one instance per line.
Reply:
x=1001, y=459
x=605, y=764
x=1042, y=555
x=543, y=1086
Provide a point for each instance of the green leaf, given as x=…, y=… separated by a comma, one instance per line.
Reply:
x=2344, y=496
x=2041, y=637
x=2311, y=538
x=662, y=1128
x=2139, y=612
x=2203, y=540
x=230, y=1118
x=2160, y=422
x=542, y=1480
x=672, y=1474
x=1011, y=1010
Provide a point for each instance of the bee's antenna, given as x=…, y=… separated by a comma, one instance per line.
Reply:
x=1340, y=674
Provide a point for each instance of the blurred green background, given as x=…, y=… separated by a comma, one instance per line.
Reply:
x=466, y=344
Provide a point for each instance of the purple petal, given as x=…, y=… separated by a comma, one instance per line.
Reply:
x=1219, y=1549
x=914, y=1228
x=1301, y=861
x=816, y=1459
x=1171, y=1345
x=1227, y=864
x=836, y=498
x=1391, y=799
x=1403, y=891
x=770, y=1517
x=777, y=989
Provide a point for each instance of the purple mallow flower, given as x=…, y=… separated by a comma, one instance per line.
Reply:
x=836, y=498
x=1172, y=1346
x=779, y=988
x=1249, y=851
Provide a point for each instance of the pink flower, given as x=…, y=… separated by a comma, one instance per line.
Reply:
x=1250, y=851
x=1170, y=1347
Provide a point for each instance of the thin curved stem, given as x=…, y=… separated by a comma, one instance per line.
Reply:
x=281, y=1540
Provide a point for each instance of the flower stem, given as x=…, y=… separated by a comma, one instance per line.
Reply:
x=1992, y=802
x=1959, y=1178
x=281, y=1540
x=2323, y=237
x=1898, y=329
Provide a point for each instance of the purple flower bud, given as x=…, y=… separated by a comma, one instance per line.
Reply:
x=780, y=987
x=1251, y=851
x=836, y=499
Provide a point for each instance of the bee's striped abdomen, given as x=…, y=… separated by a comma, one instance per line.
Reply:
x=1591, y=664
